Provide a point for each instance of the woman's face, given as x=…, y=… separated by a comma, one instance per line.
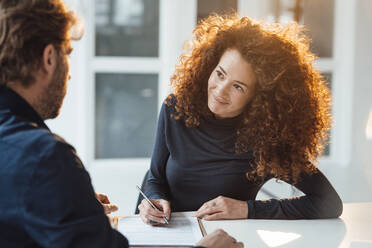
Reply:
x=230, y=85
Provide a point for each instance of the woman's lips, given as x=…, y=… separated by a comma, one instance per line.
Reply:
x=220, y=100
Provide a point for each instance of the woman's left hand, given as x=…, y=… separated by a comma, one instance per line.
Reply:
x=223, y=208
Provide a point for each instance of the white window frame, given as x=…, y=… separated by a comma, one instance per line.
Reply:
x=119, y=64
x=169, y=49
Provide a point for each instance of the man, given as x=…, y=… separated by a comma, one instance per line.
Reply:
x=46, y=196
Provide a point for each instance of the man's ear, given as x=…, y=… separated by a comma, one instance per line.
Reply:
x=49, y=59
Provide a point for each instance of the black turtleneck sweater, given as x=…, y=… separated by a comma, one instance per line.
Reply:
x=190, y=166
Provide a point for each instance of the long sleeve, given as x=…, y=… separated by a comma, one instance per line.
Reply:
x=156, y=185
x=60, y=208
x=320, y=201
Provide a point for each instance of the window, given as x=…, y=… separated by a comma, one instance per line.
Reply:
x=127, y=28
x=126, y=67
x=316, y=15
x=126, y=112
x=206, y=7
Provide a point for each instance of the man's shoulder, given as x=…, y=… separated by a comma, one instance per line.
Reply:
x=29, y=139
x=26, y=149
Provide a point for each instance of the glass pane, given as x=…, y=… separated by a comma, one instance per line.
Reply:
x=127, y=28
x=316, y=15
x=126, y=115
x=318, y=18
x=328, y=77
x=207, y=7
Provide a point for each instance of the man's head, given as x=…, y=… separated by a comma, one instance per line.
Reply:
x=34, y=47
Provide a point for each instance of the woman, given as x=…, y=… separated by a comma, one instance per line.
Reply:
x=247, y=106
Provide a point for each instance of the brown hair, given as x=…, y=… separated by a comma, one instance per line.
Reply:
x=287, y=121
x=26, y=28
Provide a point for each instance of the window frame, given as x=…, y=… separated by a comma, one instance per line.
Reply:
x=118, y=64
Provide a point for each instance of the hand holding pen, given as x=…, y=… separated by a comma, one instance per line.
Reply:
x=154, y=211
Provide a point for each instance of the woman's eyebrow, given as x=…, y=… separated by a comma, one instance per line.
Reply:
x=234, y=80
x=222, y=69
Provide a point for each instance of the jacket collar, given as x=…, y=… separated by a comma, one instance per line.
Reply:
x=17, y=105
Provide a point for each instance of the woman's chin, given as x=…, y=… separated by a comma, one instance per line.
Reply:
x=217, y=114
x=213, y=109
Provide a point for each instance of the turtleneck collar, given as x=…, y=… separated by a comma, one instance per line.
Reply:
x=225, y=122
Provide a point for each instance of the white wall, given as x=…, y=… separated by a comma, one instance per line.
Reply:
x=353, y=182
x=362, y=103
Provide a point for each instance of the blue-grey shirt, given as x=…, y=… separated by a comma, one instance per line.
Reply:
x=46, y=195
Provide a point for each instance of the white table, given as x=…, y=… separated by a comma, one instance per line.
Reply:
x=353, y=229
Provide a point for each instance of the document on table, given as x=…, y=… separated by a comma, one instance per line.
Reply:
x=181, y=231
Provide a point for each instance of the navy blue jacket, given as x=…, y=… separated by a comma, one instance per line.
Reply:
x=46, y=195
x=191, y=166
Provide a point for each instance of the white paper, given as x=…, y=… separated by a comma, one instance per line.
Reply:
x=182, y=231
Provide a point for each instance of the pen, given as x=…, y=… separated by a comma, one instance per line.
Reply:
x=148, y=200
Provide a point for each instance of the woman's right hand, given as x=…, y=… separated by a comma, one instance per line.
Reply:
x=148, y=213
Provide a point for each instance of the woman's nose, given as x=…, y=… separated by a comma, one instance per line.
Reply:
x=222, y=88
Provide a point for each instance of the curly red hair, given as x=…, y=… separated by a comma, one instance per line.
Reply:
x=287, y=121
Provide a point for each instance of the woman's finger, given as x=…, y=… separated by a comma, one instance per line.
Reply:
x=144, y=219
x=202, y=209
x=153, y=220
x=207, y=211
x=150, y=210
x=148, y=218
x=215, y=216
x=199, y=210
x=140, y=207
x=212, y=206
x=166, y=208
x=142, y=215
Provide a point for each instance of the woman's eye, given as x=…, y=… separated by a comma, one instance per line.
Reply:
x=238, y=87
x=220, y=75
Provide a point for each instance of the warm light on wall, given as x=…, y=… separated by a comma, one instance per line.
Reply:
x=275, y=239
x=369, y=126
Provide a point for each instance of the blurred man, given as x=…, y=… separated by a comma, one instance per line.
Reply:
x=46, y=196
